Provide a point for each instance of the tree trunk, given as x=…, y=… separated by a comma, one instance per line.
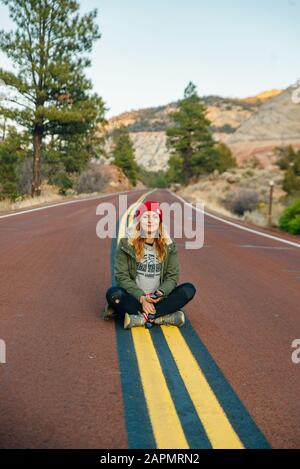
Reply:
x=187, y=166
x=36, y=167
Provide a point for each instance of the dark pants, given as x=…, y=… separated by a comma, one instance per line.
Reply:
x=176, y=299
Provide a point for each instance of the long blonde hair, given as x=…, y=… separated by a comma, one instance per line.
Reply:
x=138, y=243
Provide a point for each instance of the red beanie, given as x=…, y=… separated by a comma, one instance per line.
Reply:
x=151, y=205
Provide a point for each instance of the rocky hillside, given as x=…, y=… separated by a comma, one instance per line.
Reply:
x=262, y=97
x=276, y=123
x=147, y=127
x=251, y=127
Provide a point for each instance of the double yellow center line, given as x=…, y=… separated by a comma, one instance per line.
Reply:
x=167, y=428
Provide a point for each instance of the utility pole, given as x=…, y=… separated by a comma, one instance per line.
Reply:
x=271, y=184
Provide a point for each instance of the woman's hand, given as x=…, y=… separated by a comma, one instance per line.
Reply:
x=148, y=307
x=157, y=292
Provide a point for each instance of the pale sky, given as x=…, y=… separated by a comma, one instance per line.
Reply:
x=150, y=50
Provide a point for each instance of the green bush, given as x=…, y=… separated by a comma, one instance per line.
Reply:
x=12, y=152
x=9, y=190
x=153, y=178
x=63, y=181
x=289, y=161
x=226, y=159
x=290, y=219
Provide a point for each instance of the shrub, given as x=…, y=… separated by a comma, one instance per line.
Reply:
x=24, y=174
x=289, y=161
x=9, y=190
x=63, y=181
x=241, y=201
x=153, y=178
x=291, y=182
x=290, y=219
x=91, y=180
x=10, y=154
x=226, y=159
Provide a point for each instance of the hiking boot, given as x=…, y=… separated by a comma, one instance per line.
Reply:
x=173, y=319
x=133, y=320
x=109, y=313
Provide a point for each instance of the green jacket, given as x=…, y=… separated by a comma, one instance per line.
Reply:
x=126, y=270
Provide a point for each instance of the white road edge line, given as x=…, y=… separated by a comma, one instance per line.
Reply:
x=102, y=196
x=235, y=224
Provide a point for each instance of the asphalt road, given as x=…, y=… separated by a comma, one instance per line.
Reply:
x=72, y=380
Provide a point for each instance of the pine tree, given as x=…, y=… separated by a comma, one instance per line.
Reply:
x=49, y=92
x=226, y=159
x=190, y=141
x=123, y=153
x=13, y=151
x=289, y=161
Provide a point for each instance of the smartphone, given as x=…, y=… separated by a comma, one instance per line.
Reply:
x=154, y=296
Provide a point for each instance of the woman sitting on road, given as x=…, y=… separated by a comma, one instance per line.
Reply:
x=147, y=273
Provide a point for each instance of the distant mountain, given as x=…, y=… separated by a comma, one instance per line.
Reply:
x=262, y=97
x=250, y=126
x=276, y=123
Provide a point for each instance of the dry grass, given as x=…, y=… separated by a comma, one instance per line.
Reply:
x=212, y=189
x=48, y=195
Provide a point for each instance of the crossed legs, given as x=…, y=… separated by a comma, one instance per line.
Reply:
x=123, y=302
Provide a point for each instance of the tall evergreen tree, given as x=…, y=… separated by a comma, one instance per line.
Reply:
x=49, y=92
x=13, y=151
x=190, y=141
x=123, y=153
x=289, y=161
x=226, y=159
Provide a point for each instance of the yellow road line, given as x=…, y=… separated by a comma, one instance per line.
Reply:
x=215, y=422
x=166, y=425
x=167, y=429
